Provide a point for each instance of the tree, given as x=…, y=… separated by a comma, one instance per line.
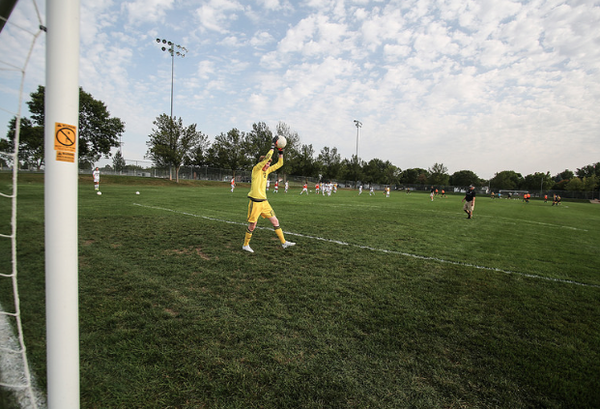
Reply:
x=31, y=142
x=564, y=175
x=374, y=171
x=414, y=176
x=464, y=178
x=293, y=154
x=5, y=153
x=331, y=163
x=119, y=162
x=589, y=170
x=200, y=154
x=590, y=183
x=538, y=181
x=304, y=162
x=392, y=174
x=378, y=171
x=438, y=175
x=351, y=169
x=230, y=151
x=259, y=141
x=170, y=143
x=507, y=179
x=574, y=184
x=98, y=131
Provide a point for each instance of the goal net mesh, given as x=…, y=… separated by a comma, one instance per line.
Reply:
x=21, y=29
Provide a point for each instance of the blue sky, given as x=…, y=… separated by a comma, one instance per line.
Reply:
x=486, y=85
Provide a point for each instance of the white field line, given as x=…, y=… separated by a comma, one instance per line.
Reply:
x=400, y=253
x=12, y=372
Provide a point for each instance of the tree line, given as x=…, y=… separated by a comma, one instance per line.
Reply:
x=172, y=145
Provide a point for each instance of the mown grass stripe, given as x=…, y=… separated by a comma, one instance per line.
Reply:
x=400, y=253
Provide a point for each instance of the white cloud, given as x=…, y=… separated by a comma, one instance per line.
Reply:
x=215, y=15
x=435, y=80
x=261, y=38
x=147, y=11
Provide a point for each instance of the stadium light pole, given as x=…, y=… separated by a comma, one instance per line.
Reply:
x=174, y=50
x=358, y=126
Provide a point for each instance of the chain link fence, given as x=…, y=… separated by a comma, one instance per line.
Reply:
x=297, y=181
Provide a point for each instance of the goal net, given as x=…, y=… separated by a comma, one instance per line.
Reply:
x=19, y=43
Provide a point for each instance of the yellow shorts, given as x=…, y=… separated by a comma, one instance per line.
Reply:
x=256, y=209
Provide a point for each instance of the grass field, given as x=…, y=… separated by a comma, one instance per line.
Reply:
x=393, y=302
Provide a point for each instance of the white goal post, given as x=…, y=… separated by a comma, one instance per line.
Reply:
x=60, y=190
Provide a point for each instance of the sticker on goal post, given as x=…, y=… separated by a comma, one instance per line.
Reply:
x=65, y=156
x=65, y=142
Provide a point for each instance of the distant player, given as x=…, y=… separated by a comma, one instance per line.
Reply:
x=432, y=193
x=387, y=191
x=258, y=205
x=287, y=185
x=360, y=190
x=96, y=175
x=232, y=184
x=371, y=190
x=304, y=189
x=556, y=200
x=276, y=190
x=317, y=188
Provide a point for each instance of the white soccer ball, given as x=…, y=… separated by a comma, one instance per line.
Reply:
x=137, y=193
x=281, y=142
x=99, y=193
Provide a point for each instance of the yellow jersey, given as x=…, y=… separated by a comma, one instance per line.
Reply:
x=258, y=188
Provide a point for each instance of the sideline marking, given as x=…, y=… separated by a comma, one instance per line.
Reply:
x=400, y=253
x=11, y=368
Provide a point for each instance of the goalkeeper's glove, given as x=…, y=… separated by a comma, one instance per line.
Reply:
x=274, y=144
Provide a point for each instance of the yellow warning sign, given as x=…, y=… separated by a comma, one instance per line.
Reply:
x=65, y=137
x=62, y=156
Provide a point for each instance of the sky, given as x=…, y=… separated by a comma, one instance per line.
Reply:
x=486, y=85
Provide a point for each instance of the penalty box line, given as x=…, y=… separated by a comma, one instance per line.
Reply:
x=395, y=252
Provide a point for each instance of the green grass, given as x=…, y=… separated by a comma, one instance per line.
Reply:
x=393, y=302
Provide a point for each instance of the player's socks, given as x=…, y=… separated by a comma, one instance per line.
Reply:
x=279, y=233
x=247, y=237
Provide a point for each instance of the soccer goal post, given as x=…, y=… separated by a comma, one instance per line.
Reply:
x=60, y=209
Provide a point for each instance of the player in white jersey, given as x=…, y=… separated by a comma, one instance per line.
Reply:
x=96, y=175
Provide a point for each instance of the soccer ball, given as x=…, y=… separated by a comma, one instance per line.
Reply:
x=281, y=142
x=99, y=193
x=137, y=193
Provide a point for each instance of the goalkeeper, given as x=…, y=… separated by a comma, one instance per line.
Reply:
x=259, y=205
